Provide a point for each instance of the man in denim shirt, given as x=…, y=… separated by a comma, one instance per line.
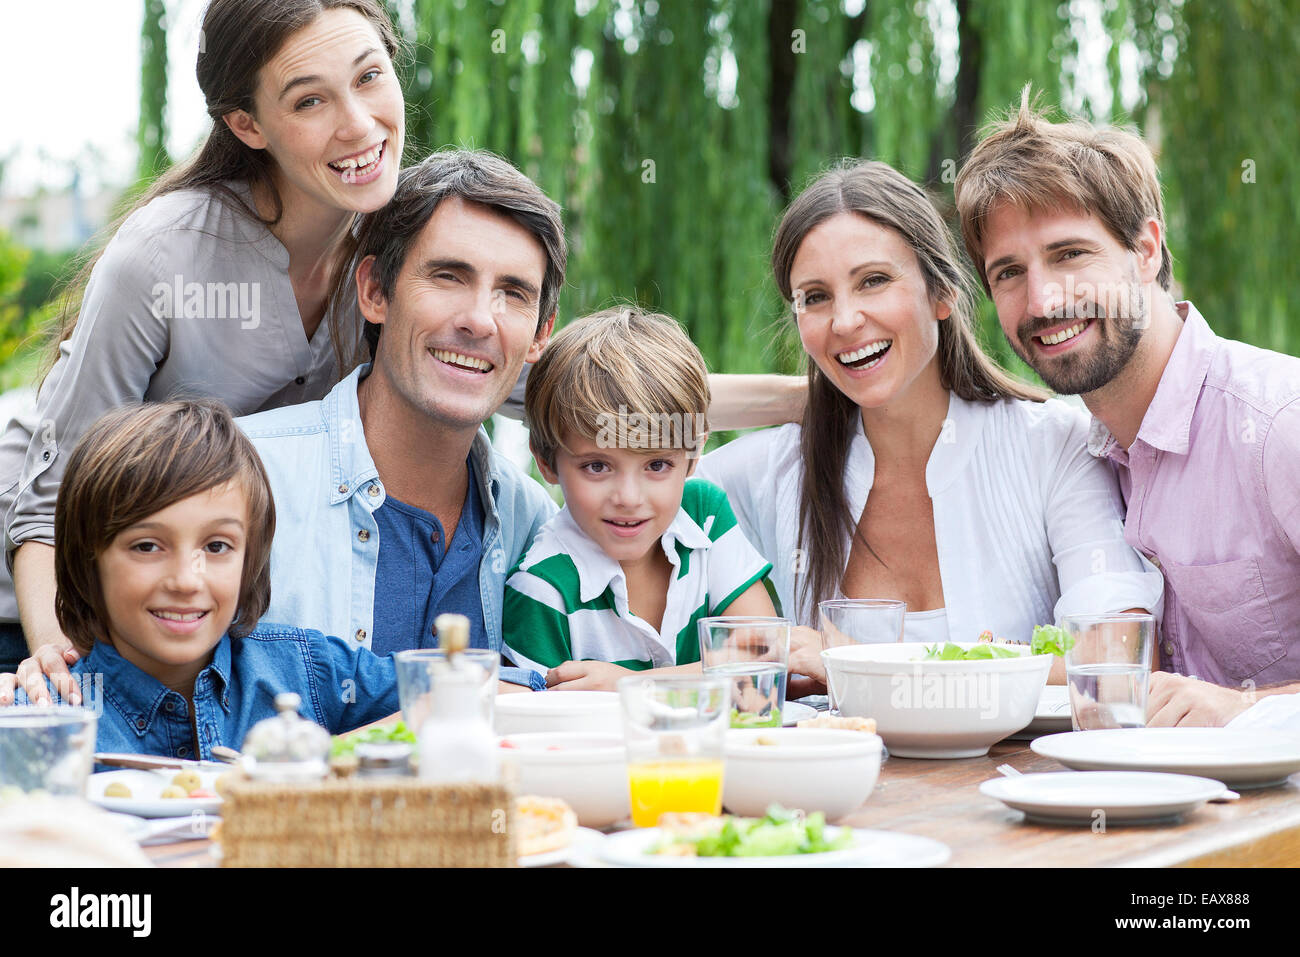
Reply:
x=392, y=505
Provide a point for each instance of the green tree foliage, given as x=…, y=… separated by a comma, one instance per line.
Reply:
x=673, y=133
x=1222, y=91
x=151, y=133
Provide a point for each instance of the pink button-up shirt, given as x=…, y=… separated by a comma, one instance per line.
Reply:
x=1212, y=485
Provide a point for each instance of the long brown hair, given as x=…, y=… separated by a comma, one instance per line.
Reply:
x=238, y=38
x=888, y=198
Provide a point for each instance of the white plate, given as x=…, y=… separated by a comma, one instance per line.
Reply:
x=872, y=849
x=1052, y=715
x=583, y=836
x=146, y=786
x=795, y=712
x=134, y=827
x=1240, y=759
x=1124, y=797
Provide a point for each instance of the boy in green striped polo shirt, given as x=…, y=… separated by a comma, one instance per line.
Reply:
x=617, y=580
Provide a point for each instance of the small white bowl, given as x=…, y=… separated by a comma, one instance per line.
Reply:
x=936, y=709
x=813, y=769
x=558, y=711
x=586, y=769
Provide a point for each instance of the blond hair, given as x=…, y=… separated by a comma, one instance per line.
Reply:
x=622, y=374
x=1034, y=164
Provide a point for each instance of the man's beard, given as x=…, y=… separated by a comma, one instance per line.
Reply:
x=1079, y=372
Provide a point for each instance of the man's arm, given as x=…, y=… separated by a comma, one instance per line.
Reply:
x=749, y=401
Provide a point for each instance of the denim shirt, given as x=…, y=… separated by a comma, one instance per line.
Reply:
x=340, y=690
x=326, y=547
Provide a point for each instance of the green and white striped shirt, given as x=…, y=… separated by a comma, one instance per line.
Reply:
x=567, y=600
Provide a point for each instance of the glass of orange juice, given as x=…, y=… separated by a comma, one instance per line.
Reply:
x=675, y=728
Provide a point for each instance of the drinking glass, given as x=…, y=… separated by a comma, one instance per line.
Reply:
x=858, y=621
x=419, y=669
x=47, y=749
x=675, y=728
x=754, y=655
x=1107, y=668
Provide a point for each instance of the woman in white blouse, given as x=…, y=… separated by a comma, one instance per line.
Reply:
x=921, y=471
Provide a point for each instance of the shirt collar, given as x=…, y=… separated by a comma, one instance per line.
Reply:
x=352, y=469
x=351, y=466
x=1167, y=424
x=139, y=696
x=959, y=436
x=487, y=473
x=596, y=570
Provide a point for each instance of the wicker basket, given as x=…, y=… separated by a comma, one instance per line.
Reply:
x=367, y=822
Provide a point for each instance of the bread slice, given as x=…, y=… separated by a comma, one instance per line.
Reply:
x=544, y=825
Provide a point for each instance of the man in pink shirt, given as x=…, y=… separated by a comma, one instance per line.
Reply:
x=1065, y=225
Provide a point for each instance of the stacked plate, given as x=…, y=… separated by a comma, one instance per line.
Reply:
x=1105, y=797
x=1240, y=759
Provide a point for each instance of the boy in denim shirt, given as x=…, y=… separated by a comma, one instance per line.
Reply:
x=163, y=532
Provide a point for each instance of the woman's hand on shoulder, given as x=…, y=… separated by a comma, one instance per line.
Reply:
x=49, y=660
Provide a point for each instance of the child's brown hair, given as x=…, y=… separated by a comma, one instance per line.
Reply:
x=134, y=462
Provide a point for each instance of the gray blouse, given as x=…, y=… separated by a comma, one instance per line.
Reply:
x=191, y=298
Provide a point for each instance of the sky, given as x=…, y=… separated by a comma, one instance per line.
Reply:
x=58, y=106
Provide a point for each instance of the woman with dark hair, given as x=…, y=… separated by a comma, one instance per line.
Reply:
x=229, y=278
x=921, y=471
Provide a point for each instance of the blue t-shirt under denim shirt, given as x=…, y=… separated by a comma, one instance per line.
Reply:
x=419, y=575
x=341, y=689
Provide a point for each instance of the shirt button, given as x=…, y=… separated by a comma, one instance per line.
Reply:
x=343, y=489
x=45, y=456
x=182, y=751
x=300, y=380
x=372, y=491
x=361, y=634
x=433, y=630
x=169, y=706
x=1169, y=647
x=434, y=536
x=139, y=724
x=363, y=536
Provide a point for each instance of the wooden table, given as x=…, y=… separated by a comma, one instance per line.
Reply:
x=941, y=799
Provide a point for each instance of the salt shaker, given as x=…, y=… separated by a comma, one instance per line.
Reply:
x=456, y=743
x=286, y=747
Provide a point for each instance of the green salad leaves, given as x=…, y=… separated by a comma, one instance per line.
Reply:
x=345, y=745
x=981, y=652
x=1050, y=640
x=1047, y=640
x=779, y=833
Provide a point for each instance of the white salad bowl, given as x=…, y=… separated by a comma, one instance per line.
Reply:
x=558, y=711
x=812, y=769
x=586, y=769
x=936, y=709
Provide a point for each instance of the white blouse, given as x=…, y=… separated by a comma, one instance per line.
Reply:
x=1029, y=527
